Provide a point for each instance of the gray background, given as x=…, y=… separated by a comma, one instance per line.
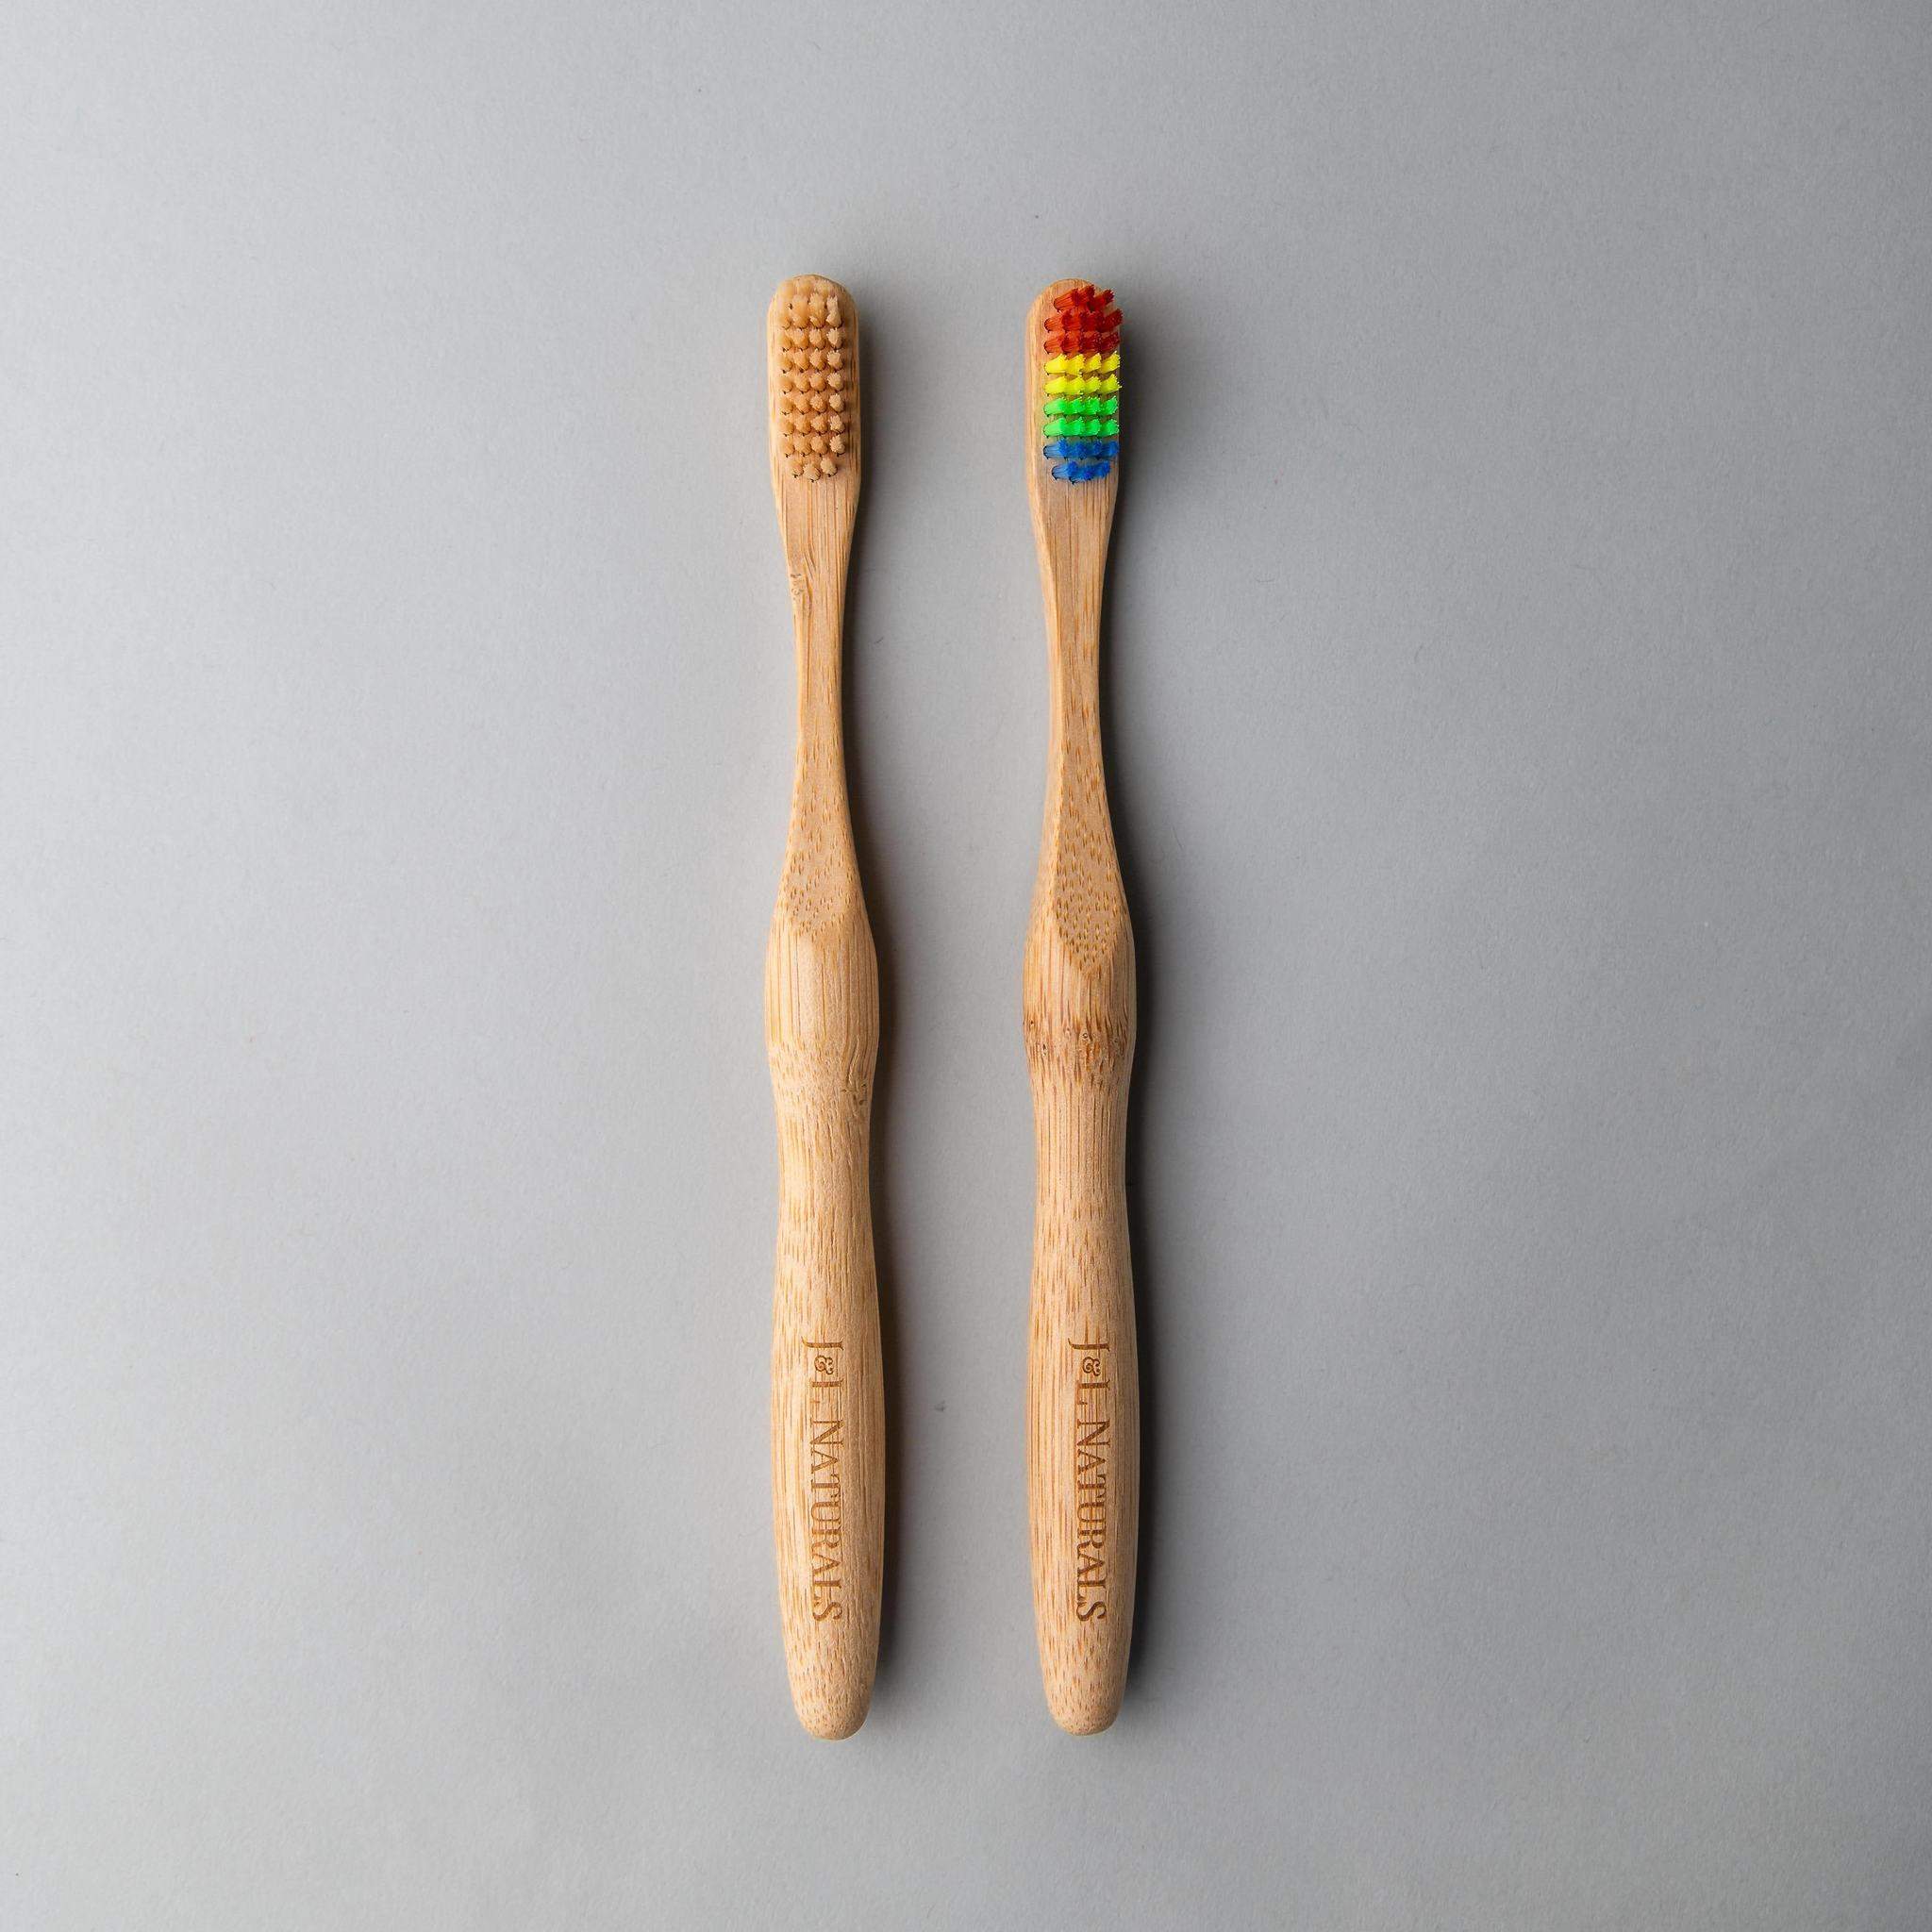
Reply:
x=1520, y=724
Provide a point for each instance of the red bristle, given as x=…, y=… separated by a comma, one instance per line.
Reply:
x=1081, y=323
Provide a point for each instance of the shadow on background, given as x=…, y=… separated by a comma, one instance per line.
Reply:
x=879, y=913
x=1155, y=345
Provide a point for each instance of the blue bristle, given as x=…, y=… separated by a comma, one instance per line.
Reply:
x=1081, y=459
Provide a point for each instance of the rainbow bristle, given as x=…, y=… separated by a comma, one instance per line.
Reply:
x=1081, y=385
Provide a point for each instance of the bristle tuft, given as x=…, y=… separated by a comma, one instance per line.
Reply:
x=817, y=383
x=1080, y=383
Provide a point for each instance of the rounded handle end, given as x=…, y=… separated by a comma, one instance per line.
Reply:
x=831, y=1711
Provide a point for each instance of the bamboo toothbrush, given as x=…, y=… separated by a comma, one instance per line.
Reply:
x=821, y=1031
x=1083, y=1391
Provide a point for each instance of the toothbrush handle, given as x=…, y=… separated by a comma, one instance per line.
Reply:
x=1083, y=1387
x=821, y=1031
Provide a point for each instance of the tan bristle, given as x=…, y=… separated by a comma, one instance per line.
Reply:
x=813, y=372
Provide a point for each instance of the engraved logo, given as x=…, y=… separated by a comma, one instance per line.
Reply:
x=1092, y=1460
x=825, y=1437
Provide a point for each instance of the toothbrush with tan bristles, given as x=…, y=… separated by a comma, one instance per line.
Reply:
x=1083, y=1399
x=822, y=1032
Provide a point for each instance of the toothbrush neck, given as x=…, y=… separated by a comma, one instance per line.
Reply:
x=1075, y=577
x=818, y=597
x=1075, y=681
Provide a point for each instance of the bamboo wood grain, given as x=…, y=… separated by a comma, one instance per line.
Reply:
x=822, y=1029
x=1083, y=1403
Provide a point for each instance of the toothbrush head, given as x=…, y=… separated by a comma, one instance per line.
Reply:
x=1079, y=360
x=813, y=351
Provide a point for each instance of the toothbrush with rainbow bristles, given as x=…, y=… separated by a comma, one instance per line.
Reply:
x=1083, y=1399
x=822, y=1033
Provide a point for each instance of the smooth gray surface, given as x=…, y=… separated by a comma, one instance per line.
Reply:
x=1520, y=723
